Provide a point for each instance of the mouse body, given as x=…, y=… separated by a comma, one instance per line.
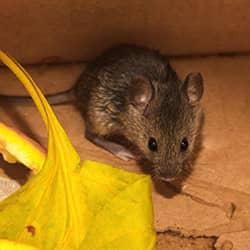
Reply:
x=135, y=106
x=132, y=92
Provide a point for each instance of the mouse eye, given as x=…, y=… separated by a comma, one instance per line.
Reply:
x=152, y=144
x=184, y=144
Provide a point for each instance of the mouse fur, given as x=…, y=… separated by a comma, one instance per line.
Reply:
x=133, y=92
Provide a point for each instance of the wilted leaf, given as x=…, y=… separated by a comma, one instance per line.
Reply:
x=74, y=205
x=17, y=147
x=10, y=245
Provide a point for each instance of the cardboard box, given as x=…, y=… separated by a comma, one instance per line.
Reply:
x=212, y=207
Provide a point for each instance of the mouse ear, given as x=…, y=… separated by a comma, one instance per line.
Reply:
x=193, y=87
x=140, y=92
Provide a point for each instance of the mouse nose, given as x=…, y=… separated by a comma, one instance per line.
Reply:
x=168, y=173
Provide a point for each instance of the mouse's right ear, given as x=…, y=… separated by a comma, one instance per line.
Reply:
x=193, y=87
x=140, y=93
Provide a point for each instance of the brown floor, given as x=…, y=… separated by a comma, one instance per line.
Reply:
x=212, y=206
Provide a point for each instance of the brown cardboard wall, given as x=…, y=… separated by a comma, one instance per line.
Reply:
x=213, y=205
x=67, y=30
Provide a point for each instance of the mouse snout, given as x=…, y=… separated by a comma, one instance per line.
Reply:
x=168, y=173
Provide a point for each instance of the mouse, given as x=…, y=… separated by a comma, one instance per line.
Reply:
x=136, y=106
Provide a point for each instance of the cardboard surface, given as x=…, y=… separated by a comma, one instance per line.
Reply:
x=59, y=31
x=215, y=199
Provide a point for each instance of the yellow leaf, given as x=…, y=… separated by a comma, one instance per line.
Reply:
x=74, y=205
x=10, y=245
x=17, y=147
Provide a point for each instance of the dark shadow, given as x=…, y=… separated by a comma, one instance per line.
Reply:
x=15, y=171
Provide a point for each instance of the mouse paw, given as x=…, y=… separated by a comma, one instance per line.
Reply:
x=125, y=155
x=114, y=148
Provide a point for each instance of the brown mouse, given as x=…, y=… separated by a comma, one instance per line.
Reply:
x=132, y=92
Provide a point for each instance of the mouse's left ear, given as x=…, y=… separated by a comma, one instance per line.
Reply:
x=193, y=87
x=140, y=93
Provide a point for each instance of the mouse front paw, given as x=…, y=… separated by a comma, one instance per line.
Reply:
x=125, y=155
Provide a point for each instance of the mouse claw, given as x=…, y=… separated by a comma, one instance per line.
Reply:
x=114, y=148
x=125, y=155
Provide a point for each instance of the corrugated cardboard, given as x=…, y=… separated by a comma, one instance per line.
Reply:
x=59, y=31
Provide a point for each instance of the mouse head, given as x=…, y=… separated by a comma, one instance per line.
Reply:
x=167, y=118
